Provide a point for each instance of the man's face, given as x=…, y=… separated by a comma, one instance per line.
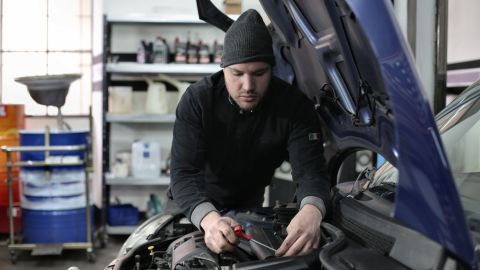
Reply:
x=247, y=83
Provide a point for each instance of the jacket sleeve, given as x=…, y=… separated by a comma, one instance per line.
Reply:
x=305, y=151
x=188, y=159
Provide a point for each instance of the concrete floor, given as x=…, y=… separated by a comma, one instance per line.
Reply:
x=68, y=258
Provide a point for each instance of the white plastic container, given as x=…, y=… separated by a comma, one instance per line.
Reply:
x=146, y=159
x=156, y=102
x=120, y=98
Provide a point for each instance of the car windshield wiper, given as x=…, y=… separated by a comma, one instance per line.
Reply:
x=362, y=182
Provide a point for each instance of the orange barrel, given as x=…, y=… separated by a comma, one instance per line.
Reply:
x=12, y=119
x=11, y=141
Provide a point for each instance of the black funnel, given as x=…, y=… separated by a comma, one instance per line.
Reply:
x=49, y=90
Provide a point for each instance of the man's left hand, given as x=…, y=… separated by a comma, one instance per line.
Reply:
x=303, y=232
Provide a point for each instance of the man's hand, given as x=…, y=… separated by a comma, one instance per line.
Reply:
x=303, y=232
x=219, y=235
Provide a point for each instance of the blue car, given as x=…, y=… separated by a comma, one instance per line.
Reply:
x=420, y=210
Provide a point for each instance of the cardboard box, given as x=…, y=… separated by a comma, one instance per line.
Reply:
x=233, y=6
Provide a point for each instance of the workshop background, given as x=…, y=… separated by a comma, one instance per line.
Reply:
x=100, y=79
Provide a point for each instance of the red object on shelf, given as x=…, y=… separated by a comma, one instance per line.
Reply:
x=17, y=220
x=4, y=187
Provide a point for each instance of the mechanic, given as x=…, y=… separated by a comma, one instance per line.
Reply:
x=233, y=129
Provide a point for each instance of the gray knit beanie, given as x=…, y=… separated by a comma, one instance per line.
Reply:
x=247, y=40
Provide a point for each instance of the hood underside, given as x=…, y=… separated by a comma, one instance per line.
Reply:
x=351, y=59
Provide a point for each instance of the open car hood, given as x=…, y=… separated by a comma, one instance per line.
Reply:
x=350, y=57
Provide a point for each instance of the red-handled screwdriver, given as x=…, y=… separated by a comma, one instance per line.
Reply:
x=239, y=231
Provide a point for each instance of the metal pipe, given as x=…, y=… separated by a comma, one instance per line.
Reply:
x=73, y=245
x=43, y=148
x=87, y=196
x=47, y=141
x=43, y=164
x=59, y=119
x=10, y=197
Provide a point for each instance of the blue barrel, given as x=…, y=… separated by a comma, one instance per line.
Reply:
x=53, y=202
x=59, y=226
x=37, y=138
x=57, y=190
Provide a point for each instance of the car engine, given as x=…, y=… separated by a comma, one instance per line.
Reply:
x=177, y=244
x=170, y=241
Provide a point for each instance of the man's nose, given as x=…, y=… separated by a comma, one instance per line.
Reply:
x=248, y=82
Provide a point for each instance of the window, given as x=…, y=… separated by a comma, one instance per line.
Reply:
x=40, y=37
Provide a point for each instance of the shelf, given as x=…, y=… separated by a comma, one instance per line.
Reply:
x=136, y=68
x=160, y=20
x=154, y=20
x=121, y=230
x=132, y=181
x=140, y=118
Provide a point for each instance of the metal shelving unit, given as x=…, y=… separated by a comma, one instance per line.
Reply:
x=117, y=68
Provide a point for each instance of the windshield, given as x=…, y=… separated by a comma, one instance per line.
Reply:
x=459, y=125
x=460, y=131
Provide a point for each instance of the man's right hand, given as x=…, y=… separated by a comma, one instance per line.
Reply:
x=219, y=235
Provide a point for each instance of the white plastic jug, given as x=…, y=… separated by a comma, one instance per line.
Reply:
x=120, y=99
x=181, y=87
x=145, y=159
x=156, y=101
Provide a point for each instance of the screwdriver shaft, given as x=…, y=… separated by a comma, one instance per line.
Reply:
x=263, y=245
x=239, y=231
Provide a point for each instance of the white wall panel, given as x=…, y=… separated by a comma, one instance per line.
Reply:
x=463, y=30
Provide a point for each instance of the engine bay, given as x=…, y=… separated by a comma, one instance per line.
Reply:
x=177, y=244
x=172, y=242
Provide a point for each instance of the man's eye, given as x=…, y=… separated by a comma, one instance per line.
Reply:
x=237, y=74
x=261, y=72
